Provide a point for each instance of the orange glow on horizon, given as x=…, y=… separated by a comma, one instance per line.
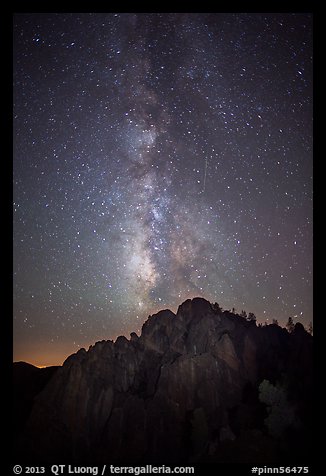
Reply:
x=47, y=355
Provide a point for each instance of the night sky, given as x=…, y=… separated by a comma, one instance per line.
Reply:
x=158, y=157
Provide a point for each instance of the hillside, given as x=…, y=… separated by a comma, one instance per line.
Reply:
x=201, y=385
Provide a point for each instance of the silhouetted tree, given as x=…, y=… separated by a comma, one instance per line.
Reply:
x=281, y=414
x=217, y=307
x=310, y=328
x=290, y=325
x=251, y=317
x=275, y=321
x=243, y=314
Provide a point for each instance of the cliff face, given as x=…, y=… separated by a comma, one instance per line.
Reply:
x=186, y=390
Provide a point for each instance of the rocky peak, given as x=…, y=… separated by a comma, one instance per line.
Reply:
x=195, y=308
x=173, y=394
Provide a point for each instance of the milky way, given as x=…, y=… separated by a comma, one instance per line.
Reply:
x=158, y=157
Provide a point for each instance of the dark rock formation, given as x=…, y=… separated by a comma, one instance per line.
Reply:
x=186, y=390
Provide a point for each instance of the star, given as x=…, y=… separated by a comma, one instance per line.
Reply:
x=165, y=157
